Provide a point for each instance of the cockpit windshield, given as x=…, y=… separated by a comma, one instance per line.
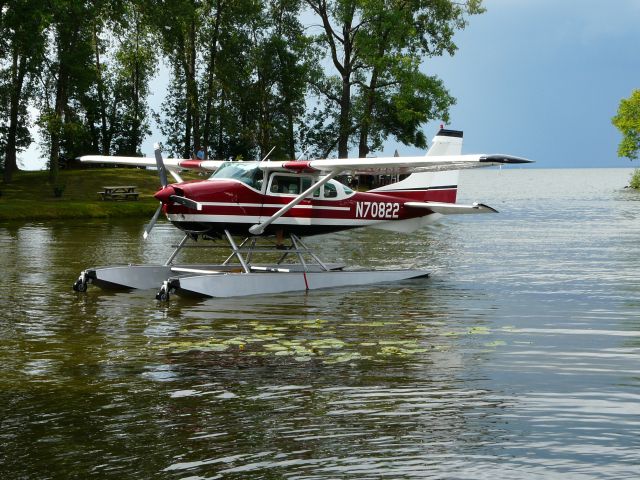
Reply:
x=245, y=172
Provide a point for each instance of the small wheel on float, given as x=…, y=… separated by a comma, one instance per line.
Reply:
x=80, y=286
x=163, y=294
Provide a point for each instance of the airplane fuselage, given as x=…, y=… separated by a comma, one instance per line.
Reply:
x=241, y=195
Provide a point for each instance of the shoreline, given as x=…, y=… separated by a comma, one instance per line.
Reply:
x=31, y=197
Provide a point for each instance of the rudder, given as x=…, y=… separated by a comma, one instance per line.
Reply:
x=431, y=186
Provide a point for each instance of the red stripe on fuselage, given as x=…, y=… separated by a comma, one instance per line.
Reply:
x=233, y=198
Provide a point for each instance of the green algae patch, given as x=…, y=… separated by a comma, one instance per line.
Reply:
x=304, y=340
x=478, y=331
x=496, y=343
x=203, y=346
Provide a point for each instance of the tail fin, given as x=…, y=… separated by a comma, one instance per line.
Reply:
x=431, y=186
x=446, y=142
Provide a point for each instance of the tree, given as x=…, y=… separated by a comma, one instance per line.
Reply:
x=377, y=48
x=628, y=122
x=178, y=24
x=67, y=81
x=280, y=66
x=133, y=66
x=93, y=91
x=22, y=25
x=238, y=82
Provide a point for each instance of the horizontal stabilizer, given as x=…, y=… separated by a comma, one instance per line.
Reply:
x=452, y=208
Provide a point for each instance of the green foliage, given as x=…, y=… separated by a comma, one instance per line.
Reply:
x=378, y=50
x=246, y=76
x=628, y=122
x=247, y=94
x=22, y=45
x=133, y=67
x=635, y=179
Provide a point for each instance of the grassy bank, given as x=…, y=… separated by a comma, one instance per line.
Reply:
x=31, y=197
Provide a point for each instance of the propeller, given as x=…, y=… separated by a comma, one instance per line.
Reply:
x=162, y=171
x=166, y=194
x=150, y=225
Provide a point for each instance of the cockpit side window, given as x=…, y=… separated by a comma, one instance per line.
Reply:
x=330, y=191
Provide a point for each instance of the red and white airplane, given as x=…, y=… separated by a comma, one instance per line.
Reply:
x=301, y=198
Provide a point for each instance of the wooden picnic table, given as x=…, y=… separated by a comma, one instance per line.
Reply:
x=119, y=192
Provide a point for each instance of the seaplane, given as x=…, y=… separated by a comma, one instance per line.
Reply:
x=248, y=203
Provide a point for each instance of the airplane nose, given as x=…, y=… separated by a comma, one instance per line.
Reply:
x=164, y=193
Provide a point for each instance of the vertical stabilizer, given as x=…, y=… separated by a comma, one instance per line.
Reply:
x=432, y=186
x=446, y=142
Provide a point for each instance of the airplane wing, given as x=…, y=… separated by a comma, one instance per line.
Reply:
x=170, y=163
x=386, y=165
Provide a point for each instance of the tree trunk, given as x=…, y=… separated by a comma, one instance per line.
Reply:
x=134, y=138
x=291, y=139
x=192, y=85
x=187, y=150
x=61, y=101
x=345, y=98
x=213, y=53
x=363, y=147
x=363, y=144
x=104, y=130
x=18, y=70
x=345, y=116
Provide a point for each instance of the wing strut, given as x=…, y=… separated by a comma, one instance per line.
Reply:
x=258, y=229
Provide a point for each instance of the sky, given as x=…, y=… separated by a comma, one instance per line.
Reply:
x=539, y=79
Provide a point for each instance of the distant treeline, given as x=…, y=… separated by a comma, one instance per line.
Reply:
x=245, y=75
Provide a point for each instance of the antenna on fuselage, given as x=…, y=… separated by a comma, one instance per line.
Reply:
x=267, y=155
x=301, y=156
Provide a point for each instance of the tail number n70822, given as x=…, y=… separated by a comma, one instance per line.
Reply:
x=377, y=210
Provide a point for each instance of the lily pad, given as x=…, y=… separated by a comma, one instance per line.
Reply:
x=327, y=343
x=343, y=357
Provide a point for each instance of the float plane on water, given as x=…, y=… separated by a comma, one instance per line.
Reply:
x=290, y=199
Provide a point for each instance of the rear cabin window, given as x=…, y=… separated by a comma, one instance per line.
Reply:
x=291, y=185
x=295, y=185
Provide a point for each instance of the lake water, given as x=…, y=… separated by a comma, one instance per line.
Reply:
x=519, y=358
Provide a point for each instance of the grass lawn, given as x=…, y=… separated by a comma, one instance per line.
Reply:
x=30, y=196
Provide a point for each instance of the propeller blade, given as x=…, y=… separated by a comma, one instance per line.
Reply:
x=162, y=171
x=154, y=219
x=187, y=202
